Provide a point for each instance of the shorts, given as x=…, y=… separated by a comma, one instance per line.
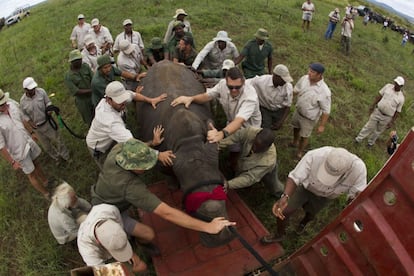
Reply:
x=27, y=164
x=304, y=124
x=307, y=200
x=307, y=17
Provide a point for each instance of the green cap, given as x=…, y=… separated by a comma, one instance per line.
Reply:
x=136, y=155
x=156, y=43
x=103, y=60
x=74, y=55
x=178, y=23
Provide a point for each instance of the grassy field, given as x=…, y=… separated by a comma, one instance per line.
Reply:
x=39, y=45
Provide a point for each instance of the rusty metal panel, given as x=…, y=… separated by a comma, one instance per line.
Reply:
x=373, y=235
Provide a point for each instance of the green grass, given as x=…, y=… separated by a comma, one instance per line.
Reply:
x=38, y=46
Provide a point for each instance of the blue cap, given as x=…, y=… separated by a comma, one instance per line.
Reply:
x=317, y=67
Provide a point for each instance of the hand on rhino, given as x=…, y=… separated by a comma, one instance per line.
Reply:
x=157, y=133
x=166, y=157
x=182, y=100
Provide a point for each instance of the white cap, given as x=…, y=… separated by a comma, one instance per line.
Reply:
x=227, y=64
x=117, y=92
x=81, y=16
x=126, y=22
x=282, y=71
x=4, y=97
x=399, y=80
x=29, y=83
x=114, y=239
x=95, y=22
x=337, y=162
x=222, y=36
x=89, y=39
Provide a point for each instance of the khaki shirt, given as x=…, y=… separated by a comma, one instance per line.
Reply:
x=13, y=134
x=132, y=62
x=135, y=38
x=351, y=183
x=313, y=100
x=270, y=97
x=391, y=101
x=212, y=57
x=245, y=106
x=251, y=166
x=34, y=109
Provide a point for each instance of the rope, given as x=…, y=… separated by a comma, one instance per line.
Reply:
x=62, y=123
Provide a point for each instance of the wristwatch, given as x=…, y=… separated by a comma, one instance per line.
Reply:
x=225, y=133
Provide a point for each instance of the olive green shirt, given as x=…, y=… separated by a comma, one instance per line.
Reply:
x=251, y=166
x=174, y=42
x=99, y=83
x=122, y=188
x=253, y=63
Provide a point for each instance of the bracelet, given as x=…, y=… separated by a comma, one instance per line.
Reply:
x=284, y=195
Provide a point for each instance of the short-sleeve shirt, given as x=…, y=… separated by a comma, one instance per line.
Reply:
x=135, y=38
x=130, y=63
x=212, y=56
x=245, y=105
x=122, y=188
x=62, y=221
x=107, y=126
x=313, y=100
x=271, y=97
x=305, y=174
x=99, y=83
x=391, y=101
x=309, y=6
x=254, y=56
x=91, y=59
x=157, y=54
x=102, y=37
x=13, y=135
x=75, y=80
x=182, y=58
x=91, y=251
x=79, y=33
x=34, y=108
x=172, y=44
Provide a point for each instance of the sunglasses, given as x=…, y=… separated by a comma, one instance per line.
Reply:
x=236, y=87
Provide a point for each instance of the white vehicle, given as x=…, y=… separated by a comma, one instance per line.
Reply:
x=18, y=15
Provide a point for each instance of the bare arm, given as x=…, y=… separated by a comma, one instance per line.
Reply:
x=214, y=136
x=182, y=219
x=238, y=59
x=6, y=155
x=270, y=64
x=282, y=203
x=324, y=120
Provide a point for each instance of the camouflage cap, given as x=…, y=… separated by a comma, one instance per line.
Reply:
x=178, y=23
x=136, y=155
x=103, y=60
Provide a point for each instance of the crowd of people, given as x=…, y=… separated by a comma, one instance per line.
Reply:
x=256, y=99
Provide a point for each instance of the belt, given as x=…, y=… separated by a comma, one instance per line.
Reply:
x=383, y=112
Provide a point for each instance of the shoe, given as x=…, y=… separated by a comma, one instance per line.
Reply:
x=370, y=145
x=150, y=249
x=269, y=239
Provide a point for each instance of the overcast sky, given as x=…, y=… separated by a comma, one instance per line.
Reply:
x=403, y=6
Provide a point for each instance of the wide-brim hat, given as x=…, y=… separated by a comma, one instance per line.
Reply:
x=156, y=43
x=75, y=55
x=178, y=12
x=4, y=97
x=262, y=34
x=136, y=155
x=222, y=36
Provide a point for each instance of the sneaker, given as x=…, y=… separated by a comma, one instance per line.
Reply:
x=272, y=238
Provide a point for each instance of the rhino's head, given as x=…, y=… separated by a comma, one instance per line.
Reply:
x=196, y=168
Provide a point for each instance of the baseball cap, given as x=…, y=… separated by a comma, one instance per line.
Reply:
x=317, y=67
x=282, y=71
x=29, y=83
x=89, y=39
x=127, y=21
x=117, y=92
x=74, y=55
x=95, y=22
x=112, y=236
x=81, y=16
x=227, y=64
x=337, y=162
x=136, y=155
x=399, y=80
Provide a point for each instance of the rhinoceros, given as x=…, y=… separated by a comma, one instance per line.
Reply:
x=196, y=164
